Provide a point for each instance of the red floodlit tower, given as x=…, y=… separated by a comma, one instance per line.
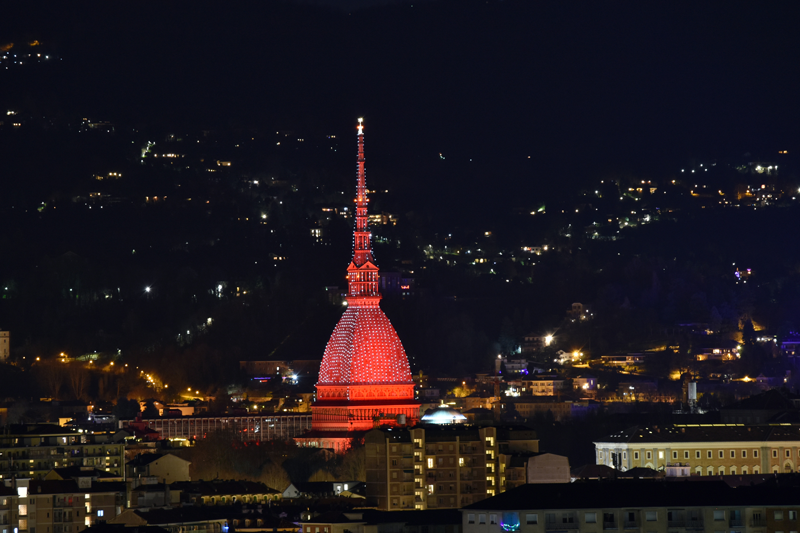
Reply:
x=364, y=378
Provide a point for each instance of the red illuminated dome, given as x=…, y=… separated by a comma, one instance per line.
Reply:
x=364, y=349
x=364, y=377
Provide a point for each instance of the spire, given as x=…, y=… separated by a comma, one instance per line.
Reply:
x=362, y=274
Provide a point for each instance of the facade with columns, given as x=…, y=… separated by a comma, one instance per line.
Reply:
x=708, y=449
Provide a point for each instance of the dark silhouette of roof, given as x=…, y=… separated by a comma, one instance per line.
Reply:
x=630, y=493
x=223, y=487
x=773, y=399
x=704, y=432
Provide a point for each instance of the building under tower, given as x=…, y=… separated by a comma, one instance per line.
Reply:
x=364, y=379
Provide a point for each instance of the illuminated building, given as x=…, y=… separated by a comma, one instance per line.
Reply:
x=364, y=380
x=709, y=449
x=444, y=466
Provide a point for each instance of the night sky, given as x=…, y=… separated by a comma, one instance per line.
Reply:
x=583, y=88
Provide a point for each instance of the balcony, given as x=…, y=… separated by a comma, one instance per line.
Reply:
x=736, y=522
x=609, y=525
x=758, y=522
x=632, y=524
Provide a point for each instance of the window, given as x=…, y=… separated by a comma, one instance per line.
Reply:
x=492, y=518
x=686, y=455
x=590, y=518
x=649, y=455
x=531, y=519
x=733, y=454
x=788, y=453
x=744, y=454
x=430, y=462
x=697, y=454
x=792, y=515
x=481, y=518
x=774, y=453
x=609, y=518
x=708, y=454
x=719, y=515
x=721, y=454
x=778, y=515
x=755, y=453
x=567, y=518
x=651, y=516
x=394, y=462
x=100, y=512
x=460, y=461
x=636, y=456
x=674, y=455
x=470, y=519
x=660, y=454
x=394, y=475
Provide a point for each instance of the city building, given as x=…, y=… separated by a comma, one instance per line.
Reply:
x=224, y=492
x=33, y=450
x=709, y=449
x=163, y=467
x=322, y=489
x=585, y=384
x=364, y=378
x=531, y=407
x=642, y=505
x=630, y=359
x=440, y=467
x=178, y=519
x=543, y=385
x=5, y=344
x=278, y=426
x=62, y=506
x=762, y=408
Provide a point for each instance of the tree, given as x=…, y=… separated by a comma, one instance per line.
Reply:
x=274, y=476
x=126, y=409
x=150, y=410
x=78, y=378
x=51, y=377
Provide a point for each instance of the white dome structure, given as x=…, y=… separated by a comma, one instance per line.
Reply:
x=443, y=415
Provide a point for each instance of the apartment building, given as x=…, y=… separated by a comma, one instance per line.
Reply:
x=708, y=449
x=430, y=467
x=637, y=506
x=31, y=451
x=543, y=385
x=32, y=506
